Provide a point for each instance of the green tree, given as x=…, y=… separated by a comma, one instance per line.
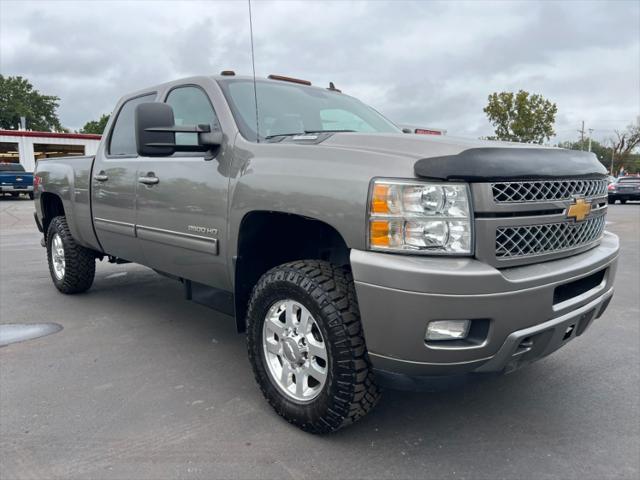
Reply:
x=18, y=99
x=96, y=126
x=521, y=117
x=625, y=144
x=623, y=150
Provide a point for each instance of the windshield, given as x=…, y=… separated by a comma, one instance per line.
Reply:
x=287, y=108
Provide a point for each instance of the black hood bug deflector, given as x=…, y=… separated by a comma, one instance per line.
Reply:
x=501, y=164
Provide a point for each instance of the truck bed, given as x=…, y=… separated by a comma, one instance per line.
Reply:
x=70, y=179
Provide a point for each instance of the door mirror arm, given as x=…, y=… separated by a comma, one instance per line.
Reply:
x=211, y=140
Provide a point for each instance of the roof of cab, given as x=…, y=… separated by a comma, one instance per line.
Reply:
x=200, y=78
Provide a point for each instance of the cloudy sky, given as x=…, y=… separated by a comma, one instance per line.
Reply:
x=420, y=62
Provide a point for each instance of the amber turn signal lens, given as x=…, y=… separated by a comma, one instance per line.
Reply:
x=379, y=199
x=379, y=233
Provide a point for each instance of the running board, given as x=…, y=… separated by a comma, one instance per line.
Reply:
x=215, y=298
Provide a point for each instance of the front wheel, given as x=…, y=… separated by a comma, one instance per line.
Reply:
x=306, y=346
x=72, y=266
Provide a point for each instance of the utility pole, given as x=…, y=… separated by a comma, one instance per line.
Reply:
x=581, y=132
x=613, y=152
x=590, y=132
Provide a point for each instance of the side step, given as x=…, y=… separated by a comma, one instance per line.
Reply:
x=220, y=300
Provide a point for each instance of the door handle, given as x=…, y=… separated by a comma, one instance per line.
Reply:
x=149, y=179
x=101, y=177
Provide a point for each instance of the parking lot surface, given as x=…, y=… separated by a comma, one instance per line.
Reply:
x=140, y=383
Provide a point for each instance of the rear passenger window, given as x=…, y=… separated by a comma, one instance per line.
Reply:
x=191, y=106
x=123, y=135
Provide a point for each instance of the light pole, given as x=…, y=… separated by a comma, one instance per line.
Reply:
x=613, y=151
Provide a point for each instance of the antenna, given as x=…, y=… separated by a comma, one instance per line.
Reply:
x=253, y=65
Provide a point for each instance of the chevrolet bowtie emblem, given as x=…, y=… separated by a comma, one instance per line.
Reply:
x=579, y=210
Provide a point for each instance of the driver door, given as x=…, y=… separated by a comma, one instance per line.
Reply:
x=182, y=199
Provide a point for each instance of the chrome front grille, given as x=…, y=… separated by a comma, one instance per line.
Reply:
x=547, y=190
x=528, y=240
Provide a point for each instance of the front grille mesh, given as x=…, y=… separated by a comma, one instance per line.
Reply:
x=543, y=191
x=528, y=240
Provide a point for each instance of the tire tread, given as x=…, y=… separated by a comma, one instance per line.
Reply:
x=80, y=262
x=332, y=288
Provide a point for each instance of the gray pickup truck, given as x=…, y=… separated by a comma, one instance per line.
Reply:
x=353, y=255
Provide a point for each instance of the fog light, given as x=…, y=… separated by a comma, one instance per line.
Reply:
x=447, y=330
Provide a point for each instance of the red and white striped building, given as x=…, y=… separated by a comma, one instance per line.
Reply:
x=27, y=147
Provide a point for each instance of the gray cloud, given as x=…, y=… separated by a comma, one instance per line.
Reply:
x=431, y=63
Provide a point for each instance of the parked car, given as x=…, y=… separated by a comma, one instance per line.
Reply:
x=623, y=189
x=15, y=181
x=353, y=256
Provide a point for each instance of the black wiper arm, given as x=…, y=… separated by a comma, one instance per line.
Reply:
x=284, y=135
x=327, y=131
x=305, y=133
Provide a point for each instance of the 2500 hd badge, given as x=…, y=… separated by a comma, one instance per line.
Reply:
x=199, y=229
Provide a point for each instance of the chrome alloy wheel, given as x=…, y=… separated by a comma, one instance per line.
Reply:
x=294, y=350
x=57, y=256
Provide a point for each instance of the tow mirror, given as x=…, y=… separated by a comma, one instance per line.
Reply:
x=156, y=132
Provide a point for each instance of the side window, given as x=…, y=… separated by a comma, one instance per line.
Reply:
x=123, y=136
x=191, y=106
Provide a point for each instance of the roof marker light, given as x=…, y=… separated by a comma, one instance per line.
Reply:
x=289, y=79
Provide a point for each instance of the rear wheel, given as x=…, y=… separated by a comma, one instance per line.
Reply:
x=31, y=195
x=623, y=201
x=306, y=346
x=72, y=267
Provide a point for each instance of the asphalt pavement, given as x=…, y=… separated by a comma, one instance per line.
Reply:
x=141, y=383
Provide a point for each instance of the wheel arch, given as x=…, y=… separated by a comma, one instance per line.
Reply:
x=51, y=206
x=267, y=239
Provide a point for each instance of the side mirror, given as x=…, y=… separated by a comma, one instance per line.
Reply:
x=156, y=132
x=151, y=143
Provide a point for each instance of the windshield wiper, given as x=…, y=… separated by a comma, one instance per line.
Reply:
x=327, y=131
x=306, y=132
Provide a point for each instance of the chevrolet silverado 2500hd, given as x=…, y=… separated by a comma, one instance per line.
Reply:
x=353, y=255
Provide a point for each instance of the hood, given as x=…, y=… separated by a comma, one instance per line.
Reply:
x=451, y=158
x=411, y=145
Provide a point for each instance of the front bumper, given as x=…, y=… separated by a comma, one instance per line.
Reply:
x=398, y=295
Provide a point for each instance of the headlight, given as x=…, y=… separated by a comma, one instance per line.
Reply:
x=420, y=217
